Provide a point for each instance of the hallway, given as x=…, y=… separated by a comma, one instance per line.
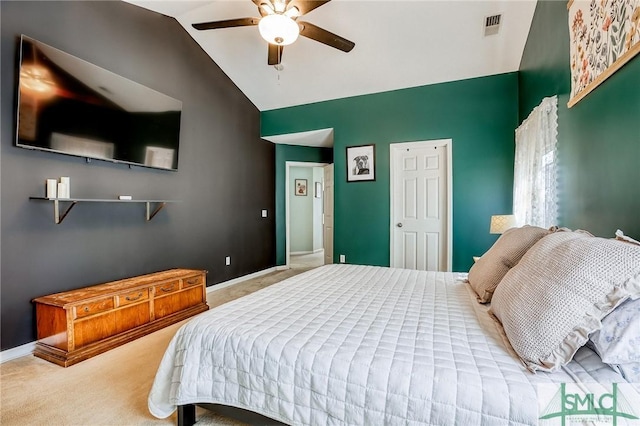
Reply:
x=307, y=261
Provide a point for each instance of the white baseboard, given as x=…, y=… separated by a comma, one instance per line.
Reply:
x=301, y=253
x=238, y=280
x=282, y=267
x=27, y=348
x=17, y=352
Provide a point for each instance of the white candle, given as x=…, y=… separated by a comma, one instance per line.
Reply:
x=67, y=187
x=62, y=190
x=51, y=188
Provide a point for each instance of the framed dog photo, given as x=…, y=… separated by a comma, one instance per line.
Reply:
x=301, y=187
x=361, y=163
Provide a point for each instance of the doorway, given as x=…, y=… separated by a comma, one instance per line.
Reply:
x=304, y=210
x=421, y=205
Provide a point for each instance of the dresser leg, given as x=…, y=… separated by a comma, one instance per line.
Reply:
x=186, y=415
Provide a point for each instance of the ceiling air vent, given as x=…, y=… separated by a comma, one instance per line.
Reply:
x=492, y=25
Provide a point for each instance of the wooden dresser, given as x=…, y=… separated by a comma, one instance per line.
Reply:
x=78, y=324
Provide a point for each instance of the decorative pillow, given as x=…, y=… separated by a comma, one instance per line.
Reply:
x=621, y=237
x=618, y=341
x=486, y=273
x=630, y=371
x=558, y=293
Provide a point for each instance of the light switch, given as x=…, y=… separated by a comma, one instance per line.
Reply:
x=264, y=213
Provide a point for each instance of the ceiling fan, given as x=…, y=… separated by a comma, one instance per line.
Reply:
x=279, y=26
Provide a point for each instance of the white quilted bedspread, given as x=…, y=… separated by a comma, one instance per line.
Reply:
x=358, y=345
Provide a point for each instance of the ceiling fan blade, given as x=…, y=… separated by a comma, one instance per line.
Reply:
x=228, y=23
x=325, y=37
x=275, y=54
x=277, y=6
x=306, y=6
x=264, y=11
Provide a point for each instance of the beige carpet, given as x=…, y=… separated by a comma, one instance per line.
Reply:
x=112, y=388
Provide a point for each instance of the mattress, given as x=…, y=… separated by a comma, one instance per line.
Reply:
x=358, y=345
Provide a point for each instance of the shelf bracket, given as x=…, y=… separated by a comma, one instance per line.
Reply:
x=56, y=211
x=151, y=214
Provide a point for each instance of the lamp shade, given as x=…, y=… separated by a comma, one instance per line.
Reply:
x=278, y=29
x=500, y=223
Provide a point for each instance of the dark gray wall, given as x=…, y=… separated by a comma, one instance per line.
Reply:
x=226, y=172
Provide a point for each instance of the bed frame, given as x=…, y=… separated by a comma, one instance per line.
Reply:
x=186, y=415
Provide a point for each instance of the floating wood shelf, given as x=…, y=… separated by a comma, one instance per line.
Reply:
x=58, y=203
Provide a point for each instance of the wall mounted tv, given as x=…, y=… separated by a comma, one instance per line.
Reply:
x=69, y=106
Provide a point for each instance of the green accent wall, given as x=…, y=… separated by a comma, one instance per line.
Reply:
x=598, y=138
x=479, y=115
x=286, y=153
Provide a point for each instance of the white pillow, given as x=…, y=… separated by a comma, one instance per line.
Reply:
x=618, y=341
x=621, y=237
x=630, y=371
x=554, y=298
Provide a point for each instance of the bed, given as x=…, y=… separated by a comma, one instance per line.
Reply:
x=359, y=345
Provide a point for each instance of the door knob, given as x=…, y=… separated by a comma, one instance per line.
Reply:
x=399, y=225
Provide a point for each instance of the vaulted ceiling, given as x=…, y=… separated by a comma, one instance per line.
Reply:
x=398, y=44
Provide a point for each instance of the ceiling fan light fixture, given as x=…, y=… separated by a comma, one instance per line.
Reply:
x=278, y=29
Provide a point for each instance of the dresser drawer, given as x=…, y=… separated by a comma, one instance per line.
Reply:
x=93, y=308
x=191, y=281
x=166, y=288
x=133, y=297
x=175, y=302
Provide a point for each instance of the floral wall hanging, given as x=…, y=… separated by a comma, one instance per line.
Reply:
x=604, y=35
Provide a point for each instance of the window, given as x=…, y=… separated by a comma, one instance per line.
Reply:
x=535, y=168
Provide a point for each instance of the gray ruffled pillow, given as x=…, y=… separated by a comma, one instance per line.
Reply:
x=557, y=295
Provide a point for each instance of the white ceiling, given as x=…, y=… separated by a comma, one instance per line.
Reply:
x=399, y=44
x=322, y=138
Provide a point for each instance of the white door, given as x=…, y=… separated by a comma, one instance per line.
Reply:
x=327, y=215
x=420, y=205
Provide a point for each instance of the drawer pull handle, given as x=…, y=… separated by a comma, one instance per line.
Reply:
x=192, y=281
x=86, y=309
x=167, y=289
x=132, y=299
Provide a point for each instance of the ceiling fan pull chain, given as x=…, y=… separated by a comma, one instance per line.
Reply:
x=279, y=68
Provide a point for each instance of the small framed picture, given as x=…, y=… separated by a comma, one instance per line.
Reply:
x=318, y=191
x=301, y=187
x=361, y=163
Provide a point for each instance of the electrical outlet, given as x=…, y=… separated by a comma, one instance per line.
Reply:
x=343, y=258
x=227, y=260
x=264, y=213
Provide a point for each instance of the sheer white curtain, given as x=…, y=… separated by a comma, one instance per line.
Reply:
x=535, y=171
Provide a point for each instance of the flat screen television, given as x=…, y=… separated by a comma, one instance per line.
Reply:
x=69, y=106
